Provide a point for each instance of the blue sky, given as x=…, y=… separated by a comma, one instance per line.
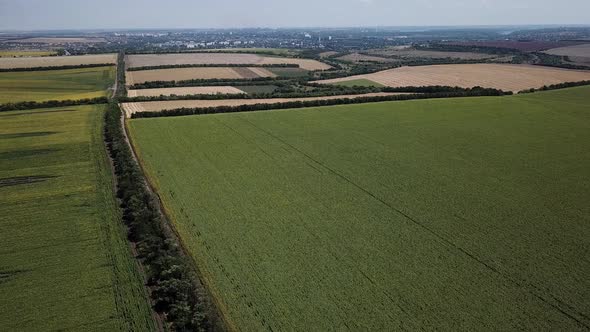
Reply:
x=74, y=14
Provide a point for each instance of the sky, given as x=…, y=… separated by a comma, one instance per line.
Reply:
x=120, y=14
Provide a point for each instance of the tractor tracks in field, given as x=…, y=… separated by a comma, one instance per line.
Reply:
x=555, y=303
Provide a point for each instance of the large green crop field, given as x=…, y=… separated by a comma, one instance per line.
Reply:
x=65, y=263
x=454, y=214
x=55, y=84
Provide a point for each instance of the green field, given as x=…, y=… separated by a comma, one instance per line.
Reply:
x=254, y=89
x=359, y=82
x=288, y=72
x=65, y=263
x=55, y=84
x=449, y=214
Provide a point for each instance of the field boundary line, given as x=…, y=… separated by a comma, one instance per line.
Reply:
x=203, y=283
x=516, y=283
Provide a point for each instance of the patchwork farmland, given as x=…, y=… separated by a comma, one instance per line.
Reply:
x=65, y=263
x=57, y=61
x=455, y=214
x=155, y=106
x=147, y=60
x=202, y=73
x=499, y=76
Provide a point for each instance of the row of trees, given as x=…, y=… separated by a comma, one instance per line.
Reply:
x=215, y=65
x=10, y=70
x=26, y=105
x=556, y=86
x=207, y=82
x=175, y=289
x=315, y=103
x=310, y=90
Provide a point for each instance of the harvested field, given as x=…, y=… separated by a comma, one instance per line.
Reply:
x=57, y=61
x=412, y=53
x=205, y=73
x=578, y=53
x=144, y=60
x=357, y=57
x=60, y=40
x=525, y=46
x=24, y=54
x=499, y=76
x=328, y=54
x=154, y=106
x=199, y=90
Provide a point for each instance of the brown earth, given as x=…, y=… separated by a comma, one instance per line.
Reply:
x=499, y=76
x=180, y=74
x=198, y=90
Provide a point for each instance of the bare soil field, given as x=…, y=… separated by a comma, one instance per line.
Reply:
x=498, y=76
x=57, y=61
x=154, y=106
x=144, y=60
x=357, y=57
x=327, y=54
x=577, y=53
x=180, y=74
x=412, y=53
x=60, y=40
x=198, y=90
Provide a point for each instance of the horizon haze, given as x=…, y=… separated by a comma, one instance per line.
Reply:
x=182, y=14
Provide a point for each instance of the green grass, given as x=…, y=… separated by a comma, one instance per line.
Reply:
x=55, y=84
x=254, y=89
x=359, y=82
x=65, y=263
x=449, y=214
x=288, y=72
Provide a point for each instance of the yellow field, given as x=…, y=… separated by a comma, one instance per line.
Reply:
x=57, y=61
x=20, y=54
x=498, y=76
x=198, y=90
x=154, y=106
x=144, y=60
x=181, y=74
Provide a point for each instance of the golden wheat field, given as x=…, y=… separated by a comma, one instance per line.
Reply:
x=144, y=60
x=154, y=106
x=197, y=90
x=499, y=76
x=204, y=73
x=57, y=61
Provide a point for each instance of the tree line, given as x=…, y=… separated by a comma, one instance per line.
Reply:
x=556, y=86
x=319, y=90
x=174, y=287
x=11, y=70
x=25, y=105
x=316, y=103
